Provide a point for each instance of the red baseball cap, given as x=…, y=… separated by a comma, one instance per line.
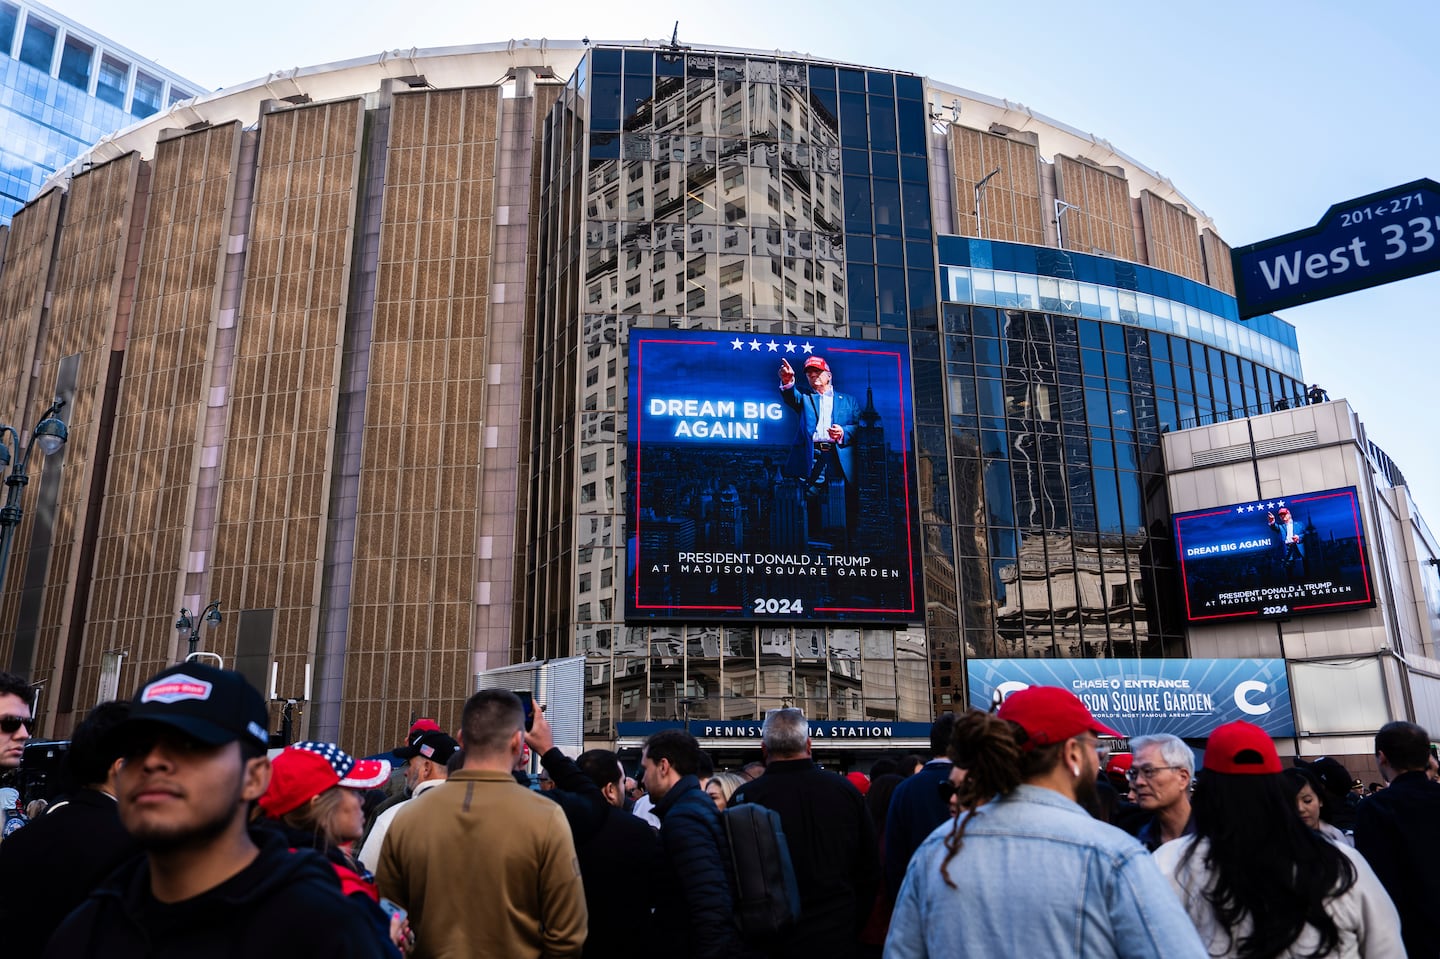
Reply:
x=305, y=770
x=859, y=780
x=1119, y=763
x=422, y=726
x=1241, y=749
x=1050, y=715
x=817, y=363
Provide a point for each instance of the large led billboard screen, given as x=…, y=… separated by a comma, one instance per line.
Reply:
x=1277, y=558
x=771, y=479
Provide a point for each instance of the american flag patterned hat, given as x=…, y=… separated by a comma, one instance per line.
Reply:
x=354, y=773
x=303, y=771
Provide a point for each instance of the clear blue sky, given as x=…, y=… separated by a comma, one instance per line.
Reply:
x=1262, y=113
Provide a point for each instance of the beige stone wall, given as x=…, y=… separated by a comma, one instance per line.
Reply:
x=1010, y=205
x=1172, y=238
x=86, y=282
x=31, y=241
x=1100, y=221
x=274, y=487
x=413, y=600
x=1219, y=270
x=145, y=521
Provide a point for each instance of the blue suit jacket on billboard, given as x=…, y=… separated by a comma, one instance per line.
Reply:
x=845, y=413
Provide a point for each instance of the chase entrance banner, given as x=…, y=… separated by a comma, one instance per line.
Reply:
x=1184, y=697
x=771, y=478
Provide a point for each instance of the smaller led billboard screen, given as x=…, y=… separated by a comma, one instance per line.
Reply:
x=771, y=478
x=1289, y=556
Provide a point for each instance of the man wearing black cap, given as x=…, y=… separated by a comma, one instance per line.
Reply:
x=192, y=762
x=425, y=766
x=824, y=439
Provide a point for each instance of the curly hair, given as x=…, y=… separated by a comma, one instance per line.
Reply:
x=992, y=753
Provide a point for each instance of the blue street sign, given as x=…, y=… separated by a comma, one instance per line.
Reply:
x=1360, y=243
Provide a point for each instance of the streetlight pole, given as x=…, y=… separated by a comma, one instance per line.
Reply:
x=186, y=625
x=979, y=191
x=1061, y=208
x=50, y=433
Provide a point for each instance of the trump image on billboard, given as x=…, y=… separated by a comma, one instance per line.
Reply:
x=1277, y=558
x=770, y=478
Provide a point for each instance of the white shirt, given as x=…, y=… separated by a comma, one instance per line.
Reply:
x=369, y=854
x=827, y=414
x=1368, y=924
x=642, y=808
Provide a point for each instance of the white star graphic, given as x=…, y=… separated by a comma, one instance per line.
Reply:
x=754, y=346
x=774, y=347
x=789, y=346
x=736, y=343
x=807, y=348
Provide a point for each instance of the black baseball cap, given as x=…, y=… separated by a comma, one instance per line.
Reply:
x=215, y=706
x=434, y=746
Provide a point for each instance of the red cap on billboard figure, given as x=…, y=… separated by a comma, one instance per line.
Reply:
x=1050, y=715
x=1282, y=511
x=817, y=363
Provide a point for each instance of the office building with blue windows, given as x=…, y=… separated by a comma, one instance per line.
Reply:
x=423, y=375
x=63, y=87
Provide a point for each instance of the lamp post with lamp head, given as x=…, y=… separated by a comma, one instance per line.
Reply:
x=190, y=628
x=50, y=435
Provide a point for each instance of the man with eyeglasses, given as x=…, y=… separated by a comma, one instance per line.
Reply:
x=15, y=722
x=1160, y=777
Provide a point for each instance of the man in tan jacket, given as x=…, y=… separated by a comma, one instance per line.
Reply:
x=485, y=866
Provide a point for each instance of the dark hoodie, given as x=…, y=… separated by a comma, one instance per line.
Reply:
x=356, y=882
x=286, y=903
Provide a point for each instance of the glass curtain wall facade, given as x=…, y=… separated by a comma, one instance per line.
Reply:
x=732, y=193
x=1059, y=528
x=61, y=90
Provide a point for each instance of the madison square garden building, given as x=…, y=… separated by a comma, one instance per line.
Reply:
x=425, y=365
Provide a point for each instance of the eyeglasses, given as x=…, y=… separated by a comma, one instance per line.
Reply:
x=1102, y=749
x=9, y=724
x=947, y=790
x=1137, y=773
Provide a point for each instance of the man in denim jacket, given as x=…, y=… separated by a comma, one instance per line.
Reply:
x=1023, y=864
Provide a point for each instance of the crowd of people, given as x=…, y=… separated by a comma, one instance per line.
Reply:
x=179, y=834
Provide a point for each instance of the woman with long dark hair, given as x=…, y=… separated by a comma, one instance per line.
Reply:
x=1311, y=803
x=1260, y=884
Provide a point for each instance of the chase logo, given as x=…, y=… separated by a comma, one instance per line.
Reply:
x=174, y=689
x=1242, y=698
